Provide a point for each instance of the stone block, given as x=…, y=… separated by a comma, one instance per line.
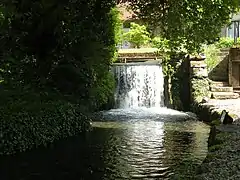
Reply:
x=221, y=89
x=198, y=64
x=224, y=95
x=199, y=89
x=219, y=83
x=219, y=78
x=199, y=72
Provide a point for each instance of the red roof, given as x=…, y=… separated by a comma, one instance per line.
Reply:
x=126, y=13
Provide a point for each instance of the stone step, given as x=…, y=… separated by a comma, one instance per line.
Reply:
x=225, y=50
x=221, y=89
x=218, y=78
x=224, y=95
x=219, y=83
x=236, y=91
x=223, y=54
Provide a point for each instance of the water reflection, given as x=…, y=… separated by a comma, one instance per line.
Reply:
x=134, y=148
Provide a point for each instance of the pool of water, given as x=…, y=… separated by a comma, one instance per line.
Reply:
x=124, y=144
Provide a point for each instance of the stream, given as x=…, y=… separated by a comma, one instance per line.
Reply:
x=139, y=139
x=143, y=143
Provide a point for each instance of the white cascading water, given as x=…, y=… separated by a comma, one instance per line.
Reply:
x=139, y=86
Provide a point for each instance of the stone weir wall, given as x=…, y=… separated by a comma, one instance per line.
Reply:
x=190, y=84
x=208, y=109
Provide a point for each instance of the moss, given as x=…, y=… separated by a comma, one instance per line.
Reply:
x=215, y=122
x=199, y=89
x=215, y=147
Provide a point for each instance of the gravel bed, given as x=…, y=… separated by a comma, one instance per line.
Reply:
x=224, y=162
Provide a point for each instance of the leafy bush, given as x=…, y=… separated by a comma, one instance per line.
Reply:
x=212, y=56
x=160, y=43
x=29, y=124
x=64, y=46
x=103, y=93
x=225, y=42
x=137, y=36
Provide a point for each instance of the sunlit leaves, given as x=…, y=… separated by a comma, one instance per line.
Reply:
x=194, y=22
x=137, y=36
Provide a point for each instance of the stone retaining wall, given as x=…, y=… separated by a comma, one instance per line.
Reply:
x=199, y=82
x=220, y=72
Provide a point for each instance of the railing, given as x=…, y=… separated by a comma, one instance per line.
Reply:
x=136, y=59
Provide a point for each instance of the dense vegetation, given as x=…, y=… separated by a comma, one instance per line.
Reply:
x=138, y=35
x=212, y=51
x=186, y=23
x=55, y=58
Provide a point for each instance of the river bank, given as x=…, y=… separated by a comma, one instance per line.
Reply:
x=223, y=159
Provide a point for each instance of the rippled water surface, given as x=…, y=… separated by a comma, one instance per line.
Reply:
x=124, y=144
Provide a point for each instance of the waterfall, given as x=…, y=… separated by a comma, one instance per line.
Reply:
x=139, y=85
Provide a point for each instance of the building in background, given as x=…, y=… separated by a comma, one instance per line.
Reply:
x=232, y=30
x=127, y=16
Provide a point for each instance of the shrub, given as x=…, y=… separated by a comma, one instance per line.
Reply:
x=64, y=46
x=225, y=42
x=26, y=125
x=137, y=36
x=212, y=56
x=160, y=43
x=102, y=94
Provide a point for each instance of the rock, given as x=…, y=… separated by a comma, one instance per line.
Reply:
x=199, y=72
x=205, y=100
x=236, y=121
x=225, y=118
x=221, y=89
x=219, y=83
x=192, y=115
x=225, y=95
x=199, y=89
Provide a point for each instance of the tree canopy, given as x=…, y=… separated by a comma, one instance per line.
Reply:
x=187, y=22
x=67, y=46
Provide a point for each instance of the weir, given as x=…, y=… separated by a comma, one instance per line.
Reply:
x=139, y=84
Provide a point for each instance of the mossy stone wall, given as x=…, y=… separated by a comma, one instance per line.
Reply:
x=189, y=84
x=199, y=82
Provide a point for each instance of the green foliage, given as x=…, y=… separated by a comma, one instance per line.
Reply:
x=103, y=93
x=67, y=46
x=137, y=36
x=29, y=124
x=56, y=56
x=117, y=25
x=200, y=89
x=187, y=23
x=212, y=56
x=160, y=43
x=212, y=51
x=225, y=42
